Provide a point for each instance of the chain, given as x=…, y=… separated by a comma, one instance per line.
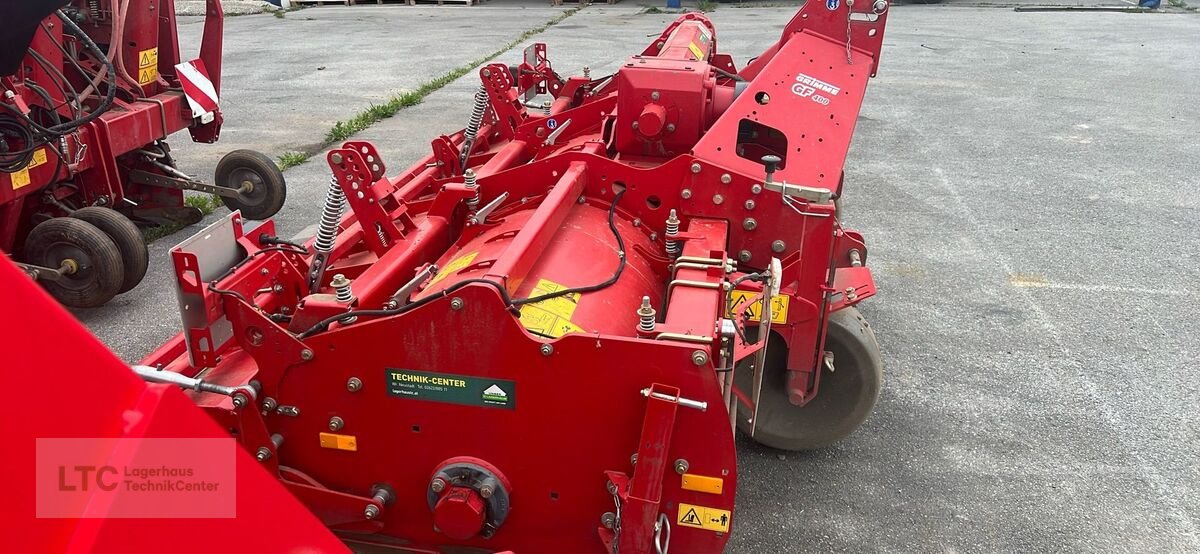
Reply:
x=849, y=12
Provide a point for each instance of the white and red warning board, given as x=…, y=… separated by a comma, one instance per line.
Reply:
x=197, y=87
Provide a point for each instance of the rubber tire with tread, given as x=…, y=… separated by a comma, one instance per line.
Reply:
x=135, y=258
x=98, y=279
x=269, y=192
x=845, y=397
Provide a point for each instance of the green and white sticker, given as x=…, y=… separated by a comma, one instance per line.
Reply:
x=452, y=389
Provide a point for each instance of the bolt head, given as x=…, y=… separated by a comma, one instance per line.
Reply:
x=239, y=400
x=695, y=168
x=681, y=466
x=487, y=72
x=487, y=490
x=655, y=95
x=726, y=179
x=269, y=403
x=608, y=520
x=438, y=485
x=699, y=357
x=778, y=246
x=749, y=224
x=335, y=158
x=670, y=127
x=686, y=193
x=750, y=204
x=744, y=256
x=371, y=512
x=262, y=454
x=457, y=304
x=336, y=423
x=306, y=354
x=756, y=188
x=718, y=199
x=354, y=384
x=547, y=349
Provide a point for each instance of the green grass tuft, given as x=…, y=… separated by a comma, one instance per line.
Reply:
x=292, y=158
x=375, y=113
x=707, y=6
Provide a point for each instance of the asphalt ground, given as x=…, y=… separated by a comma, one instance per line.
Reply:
x=1027, y=183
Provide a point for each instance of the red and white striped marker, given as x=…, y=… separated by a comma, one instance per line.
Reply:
x=197, y=88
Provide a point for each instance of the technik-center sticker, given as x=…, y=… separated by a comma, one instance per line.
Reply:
x=452, y=389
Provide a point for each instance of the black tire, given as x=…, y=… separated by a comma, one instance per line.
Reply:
x=99, y=272
x=843, y=402
x=135, y=258
x=268, y=187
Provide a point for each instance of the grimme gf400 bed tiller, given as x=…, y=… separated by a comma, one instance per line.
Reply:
x=91, y=89
x=541, y=336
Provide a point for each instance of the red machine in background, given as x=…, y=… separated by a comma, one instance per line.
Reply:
x=542, y=336
x=91, y=90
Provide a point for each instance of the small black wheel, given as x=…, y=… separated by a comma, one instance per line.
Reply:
x=93, y=260
x=135, y=258
x=844, y=400
x=258, y=173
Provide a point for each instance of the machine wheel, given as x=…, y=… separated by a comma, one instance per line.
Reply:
x=135, y=258
x=268, y=190
x=98, y=272
x=844, y=400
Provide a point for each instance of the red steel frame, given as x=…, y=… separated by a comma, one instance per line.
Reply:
x=589, y=399
x=94, y=159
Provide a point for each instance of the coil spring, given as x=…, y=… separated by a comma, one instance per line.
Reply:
x=383, y=239
x=481, y=102
x=646, y=316
x=342, y=289
x=331, y=215
x=546, y=106
x=472, y=184
x=94, y=9
x=672, y=246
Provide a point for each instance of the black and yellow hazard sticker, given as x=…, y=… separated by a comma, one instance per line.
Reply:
x=779, y=306
x=700, y=517
x=550, y=317
x=147, y=66
x=20, y=178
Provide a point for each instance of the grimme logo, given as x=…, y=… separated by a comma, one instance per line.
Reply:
x=816, y=89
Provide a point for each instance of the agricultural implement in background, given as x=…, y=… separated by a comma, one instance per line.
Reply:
x=91, y=91
x=542, y=336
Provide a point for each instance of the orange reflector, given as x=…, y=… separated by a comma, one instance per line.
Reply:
x=701, y=483
x=339, y=442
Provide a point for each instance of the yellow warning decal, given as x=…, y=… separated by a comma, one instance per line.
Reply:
x=700, y=517
x=148, y=57
x=339, y=442
x=779, y=306
x=696, y=51
x=550, y=317
x=21, y=178
x=147, y=66
x=454, y=266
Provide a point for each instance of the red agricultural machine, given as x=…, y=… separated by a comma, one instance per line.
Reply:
x=91, y=91
x=542, y=336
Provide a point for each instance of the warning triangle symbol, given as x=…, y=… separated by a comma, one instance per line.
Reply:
x=145, y=61
x=690, y=518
